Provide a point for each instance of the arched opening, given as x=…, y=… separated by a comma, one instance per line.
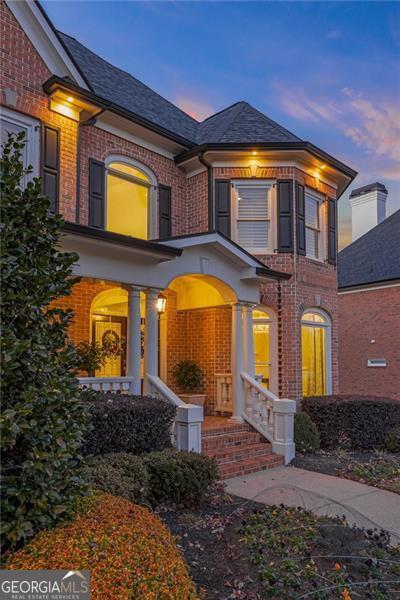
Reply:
x=316, y=353
x=108, y=321
x=129, y=199
x=265, y=350
x=201, y=291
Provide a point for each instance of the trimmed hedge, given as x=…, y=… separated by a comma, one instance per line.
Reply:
x=306, y=436
x=124, y=423
x=120, y=474
x=362, y=421
x=178, y=477
x=126, y=548
x=392, y=440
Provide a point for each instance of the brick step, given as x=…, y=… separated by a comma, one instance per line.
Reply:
x=225, y=429
x=237, y=439
x=249, y=465
x=234, y=454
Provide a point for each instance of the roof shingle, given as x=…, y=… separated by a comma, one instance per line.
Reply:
x=374, y=257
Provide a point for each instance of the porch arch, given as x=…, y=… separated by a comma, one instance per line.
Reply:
x=196, y=290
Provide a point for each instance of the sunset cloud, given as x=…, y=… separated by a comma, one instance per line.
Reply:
x=197, y=109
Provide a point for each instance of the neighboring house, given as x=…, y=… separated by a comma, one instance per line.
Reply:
x=369, y=298
x=233, y=220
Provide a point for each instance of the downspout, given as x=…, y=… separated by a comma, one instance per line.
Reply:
x=91, y=121
x=208, y=166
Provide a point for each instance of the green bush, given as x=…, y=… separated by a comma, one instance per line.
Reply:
x=188, y=375
x=178, y=477
x=123, y=423
x=362, y=420
x=392, y=440
x=306, y=436
x=120, y=474
x=43, y=419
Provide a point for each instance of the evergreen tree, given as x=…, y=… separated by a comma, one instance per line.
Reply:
x=43, y=419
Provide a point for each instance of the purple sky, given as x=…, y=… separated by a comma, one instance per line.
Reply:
x=328, y=71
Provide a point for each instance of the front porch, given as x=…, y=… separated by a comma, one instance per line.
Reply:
x=209, y=292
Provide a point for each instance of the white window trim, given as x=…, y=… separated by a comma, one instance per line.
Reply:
x=32, y=127
x=152, y=224
x=272, y=239
x=327, y=325
x=321, y=224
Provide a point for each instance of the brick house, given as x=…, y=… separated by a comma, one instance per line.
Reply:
x=369, y=298
x=211, y=241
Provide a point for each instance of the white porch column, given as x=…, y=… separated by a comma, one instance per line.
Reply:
x=248, y=339
x=237, y=363
x=150, y=338
x=134, y=342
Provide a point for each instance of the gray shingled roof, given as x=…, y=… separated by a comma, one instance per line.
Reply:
x=374, y=257
x=237, y=123
x=126, y=91
x=242, y=123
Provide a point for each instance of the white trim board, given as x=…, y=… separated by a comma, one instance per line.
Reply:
x=368, y=289
x=45, y=41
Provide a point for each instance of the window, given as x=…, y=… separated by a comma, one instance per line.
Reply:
x=313, y=216
x=265, y=351
x=252, y=217
x=14, y=122
x=128, y=201
x=316, y=358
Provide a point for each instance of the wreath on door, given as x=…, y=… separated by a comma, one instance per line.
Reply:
x=111, y=343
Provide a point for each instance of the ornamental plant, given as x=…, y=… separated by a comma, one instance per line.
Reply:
x=43, y=419
x=188, y=375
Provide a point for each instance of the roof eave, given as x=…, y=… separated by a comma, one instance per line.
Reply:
x=55, y=82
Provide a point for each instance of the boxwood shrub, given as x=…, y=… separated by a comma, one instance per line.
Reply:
x=363, y=421
x=306, y=436
x=124, y=423
x=120, y=474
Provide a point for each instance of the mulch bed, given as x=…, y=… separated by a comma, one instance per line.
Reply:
x=378, y=469
x=242, y=550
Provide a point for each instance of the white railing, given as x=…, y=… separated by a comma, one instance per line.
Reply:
x=224, y=392
x=108, y=384
x=187, y=431
x=270, y=416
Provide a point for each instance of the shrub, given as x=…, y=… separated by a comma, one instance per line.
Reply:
x=188, y=375
x=120, y=474
x=306, y=436
x=126, y=548
x=123, y=423
x=362, y=420
x=392, y=440
x=42, y=416
x=178, y=477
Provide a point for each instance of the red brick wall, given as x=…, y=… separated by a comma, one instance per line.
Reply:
x=197, y=202
x=23, y=71
x=366, y=316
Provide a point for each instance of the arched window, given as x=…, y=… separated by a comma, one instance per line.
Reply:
x=316, y=353
x=265, y=348
x=129, y=199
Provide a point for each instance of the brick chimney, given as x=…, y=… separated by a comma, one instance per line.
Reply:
x=368, y=208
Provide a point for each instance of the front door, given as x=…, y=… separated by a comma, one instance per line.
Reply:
x=103, y=331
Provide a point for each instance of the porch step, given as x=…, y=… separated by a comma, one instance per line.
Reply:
x=237, y=439
x=237, y=448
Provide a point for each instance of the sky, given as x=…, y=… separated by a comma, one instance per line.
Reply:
x=327, y=71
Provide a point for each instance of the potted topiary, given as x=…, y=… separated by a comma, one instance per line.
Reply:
x=188, y=376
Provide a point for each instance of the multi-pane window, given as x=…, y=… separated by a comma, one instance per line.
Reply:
x=13, y=122
x=313, y=226
x=253, y=209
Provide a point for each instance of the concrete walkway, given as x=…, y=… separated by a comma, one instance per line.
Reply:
x=361, y=504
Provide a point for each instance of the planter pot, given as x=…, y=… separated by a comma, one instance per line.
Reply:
x=197, y=399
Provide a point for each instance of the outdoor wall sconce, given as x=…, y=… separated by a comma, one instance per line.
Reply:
x=253, y=166
x=161, y=304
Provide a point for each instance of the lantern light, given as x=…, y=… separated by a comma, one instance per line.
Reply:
x=161, y=303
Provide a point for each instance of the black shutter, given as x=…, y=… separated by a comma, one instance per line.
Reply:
x=300, y=219
x=332, y=231
x=164, y=211
x=285, y=215
x=51, y=164
x=223, y=206
x=97, y=178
